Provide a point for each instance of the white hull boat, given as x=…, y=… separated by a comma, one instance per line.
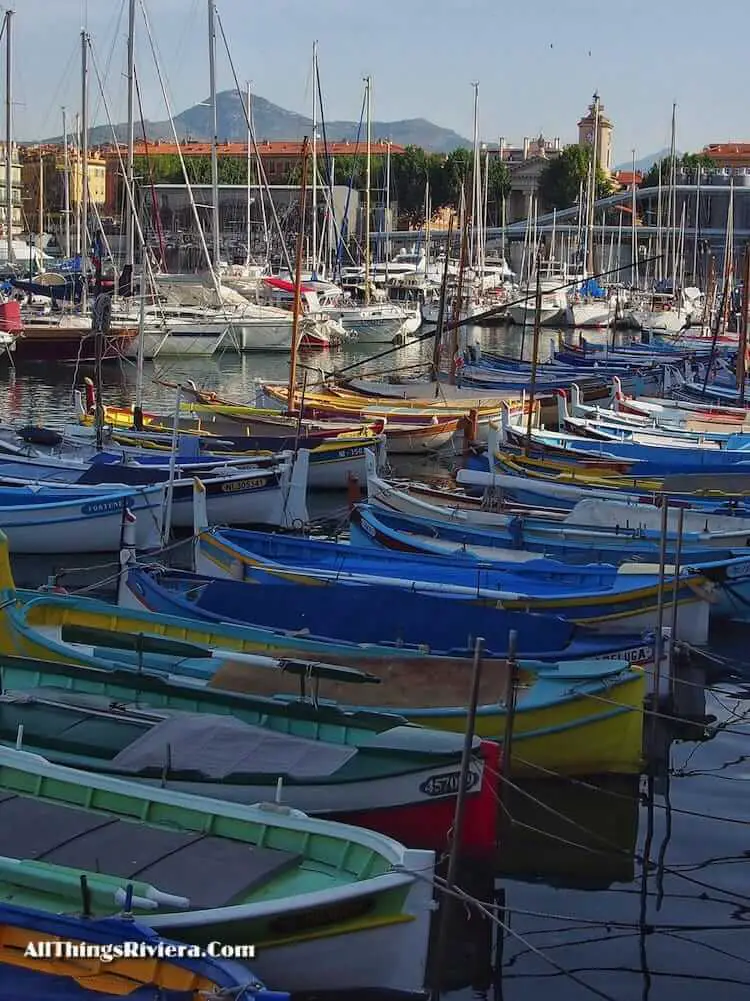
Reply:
x=551, y=314
x=591, y=314
x=181, y=340
x=44, y=520
x=274, y=494
x=371, y=324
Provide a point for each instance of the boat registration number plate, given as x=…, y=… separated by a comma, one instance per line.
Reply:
x=447, y=784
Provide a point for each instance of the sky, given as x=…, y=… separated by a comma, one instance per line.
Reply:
x=537, y=62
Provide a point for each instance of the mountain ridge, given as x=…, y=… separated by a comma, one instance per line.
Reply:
x=273, y=122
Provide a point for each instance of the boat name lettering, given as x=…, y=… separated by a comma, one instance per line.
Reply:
x=102, y=507
x=241, y=485
x=635, y=655
x=448, y=783
x=735, y=570
x=320, y=917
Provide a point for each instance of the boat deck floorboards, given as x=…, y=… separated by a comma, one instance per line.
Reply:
x=210, y=871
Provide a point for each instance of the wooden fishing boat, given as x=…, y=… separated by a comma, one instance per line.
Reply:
x=270, y=491
x=564, y=723
x=210, y=419
x=403, y=433
x=63, y=957
x=333, y=462
x=53, y=520
x=322, y=903
x=595, y=528
x=368, y=769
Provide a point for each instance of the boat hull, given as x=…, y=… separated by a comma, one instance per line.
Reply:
x=180, y=341
x=264, y=335
x=416, y=808
x=590, y=314
x=47, y=342
x=552, y=315
x=345, y=956
x=67, y=523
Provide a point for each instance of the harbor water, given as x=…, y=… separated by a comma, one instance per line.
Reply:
x=637, y=888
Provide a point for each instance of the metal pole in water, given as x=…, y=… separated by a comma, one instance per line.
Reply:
x=172, y=468
x=458, y=818
x=675, y=594
x=660, y=597
x=510, y=708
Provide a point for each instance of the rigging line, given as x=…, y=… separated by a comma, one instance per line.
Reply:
x=196, y=217
x=657, y=714
x=57, y=90
x=455, y=325
x=556, y=813
x=108, y=63
x=258, y=158
x=611, y=792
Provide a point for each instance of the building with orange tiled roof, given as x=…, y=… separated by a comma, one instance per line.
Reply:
x=729, y=154
x=278, y=157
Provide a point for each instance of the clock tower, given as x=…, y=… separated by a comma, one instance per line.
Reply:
x=596, y=124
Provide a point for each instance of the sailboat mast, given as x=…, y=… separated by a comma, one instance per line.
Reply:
x=633, y=242
x=249, y=174
x=673, y=200
x=592, y=193
x=659, y=269
x=314, y=192
x=368, y=87
x=387, y=220
x=485, y=205
x=215, y=253
x=84, y=190
x=8, y=135
x=129, y=226
x=696, y=229
x=475, y=213
x=292, y=387
x=41, y=200
x=66, y=183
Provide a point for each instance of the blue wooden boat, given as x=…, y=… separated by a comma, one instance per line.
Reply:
x=599, y=593
x=437, y=695
x=522, y=481
x=582, y=715
x=728, y=571
x=34, y=965
x=341, y=613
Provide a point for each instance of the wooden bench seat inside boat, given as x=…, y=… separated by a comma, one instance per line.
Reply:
x=405, y=681
x=210, y=871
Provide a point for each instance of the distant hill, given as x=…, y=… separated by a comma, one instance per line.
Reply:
x=273, y=122
x=645, y=163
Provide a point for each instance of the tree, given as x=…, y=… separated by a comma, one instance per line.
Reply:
x=689, y=162
x=564, y=177
x=498, y=187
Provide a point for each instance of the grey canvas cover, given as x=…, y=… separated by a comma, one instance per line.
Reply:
x=219, y=746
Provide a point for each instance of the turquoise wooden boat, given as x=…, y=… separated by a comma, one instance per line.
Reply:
x=370, y=769
x=304, y=892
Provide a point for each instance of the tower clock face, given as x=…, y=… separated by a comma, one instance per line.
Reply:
x=589, y=136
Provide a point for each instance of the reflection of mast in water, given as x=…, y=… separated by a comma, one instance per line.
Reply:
x=468, y=961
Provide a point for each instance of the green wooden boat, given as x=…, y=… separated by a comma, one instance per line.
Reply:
x=324, y=904
x=370, y=769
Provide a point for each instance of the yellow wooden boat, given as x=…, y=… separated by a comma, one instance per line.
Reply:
x=578, y=717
